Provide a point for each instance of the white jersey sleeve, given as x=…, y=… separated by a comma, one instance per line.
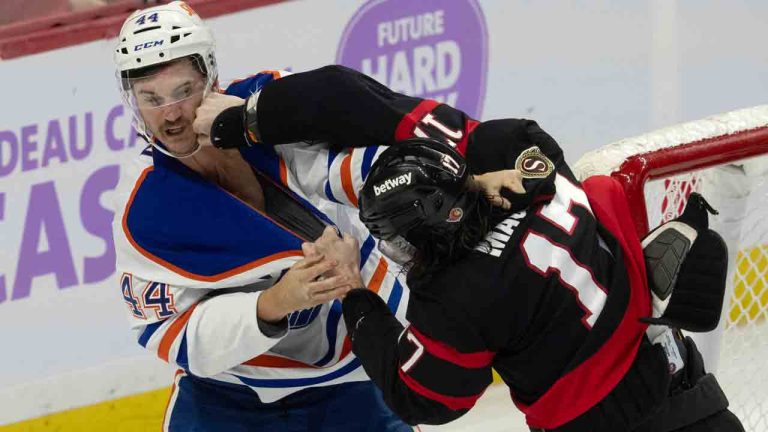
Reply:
x=196, y=329
x=321, y=173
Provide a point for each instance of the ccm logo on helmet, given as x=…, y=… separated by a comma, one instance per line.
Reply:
x=149, y=44
x=392, y=183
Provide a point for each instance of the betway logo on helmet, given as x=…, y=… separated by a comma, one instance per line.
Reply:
x=392, y=183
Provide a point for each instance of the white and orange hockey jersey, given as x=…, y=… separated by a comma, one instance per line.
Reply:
x=193, y=259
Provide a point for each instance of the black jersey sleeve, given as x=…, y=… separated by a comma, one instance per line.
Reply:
x=424, y=380
x=498, y=144
x=349, y=109
x=335, y=104
x=522, y=145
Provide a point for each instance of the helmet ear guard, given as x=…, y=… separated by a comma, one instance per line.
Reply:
x=415, y=186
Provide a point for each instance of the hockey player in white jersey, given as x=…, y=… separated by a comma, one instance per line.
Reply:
x=209, y=253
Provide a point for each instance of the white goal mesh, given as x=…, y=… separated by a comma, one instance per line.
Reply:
x=725, y=158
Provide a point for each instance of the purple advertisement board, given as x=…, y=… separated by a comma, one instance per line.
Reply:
x=431, y=49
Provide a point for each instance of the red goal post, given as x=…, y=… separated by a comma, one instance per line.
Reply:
x=679, y=149
x=725, y=157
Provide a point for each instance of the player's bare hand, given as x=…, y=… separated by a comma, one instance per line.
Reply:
x=303, y=287
x=491, y=184
x=345, y=250
x=213, y=104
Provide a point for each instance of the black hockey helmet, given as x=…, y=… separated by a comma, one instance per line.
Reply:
x=416, y=184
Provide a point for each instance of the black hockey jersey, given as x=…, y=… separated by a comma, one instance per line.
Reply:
x=550, y=299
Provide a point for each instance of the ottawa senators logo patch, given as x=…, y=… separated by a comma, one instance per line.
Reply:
x=455, y=215
x=533, y=164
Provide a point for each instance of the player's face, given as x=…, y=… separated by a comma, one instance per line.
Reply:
x=167, y=102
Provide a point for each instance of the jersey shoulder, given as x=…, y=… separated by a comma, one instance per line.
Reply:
x=253, y=84
x=130, y=174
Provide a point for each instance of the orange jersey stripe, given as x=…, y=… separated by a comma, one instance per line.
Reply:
x=170, y=398
x=346, y=179
x=378, y=276
x=275, y=74
x=235, y=81
x=266, y=360
x=173, y=331
x=345, y=348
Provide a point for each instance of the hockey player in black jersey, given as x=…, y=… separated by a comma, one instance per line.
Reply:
x=552, y=293
x=530, y=303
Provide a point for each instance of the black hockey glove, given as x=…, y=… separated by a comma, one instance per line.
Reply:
x=236, y=126
x=358, y=304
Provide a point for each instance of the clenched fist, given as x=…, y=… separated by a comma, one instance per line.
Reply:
x=303, y=287
x=345, y=250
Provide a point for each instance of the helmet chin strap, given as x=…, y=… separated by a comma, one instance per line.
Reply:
x=174, y=155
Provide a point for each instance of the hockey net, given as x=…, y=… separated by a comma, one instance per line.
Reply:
x=725, y=158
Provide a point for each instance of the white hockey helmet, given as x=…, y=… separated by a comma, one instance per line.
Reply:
x=157, y=35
